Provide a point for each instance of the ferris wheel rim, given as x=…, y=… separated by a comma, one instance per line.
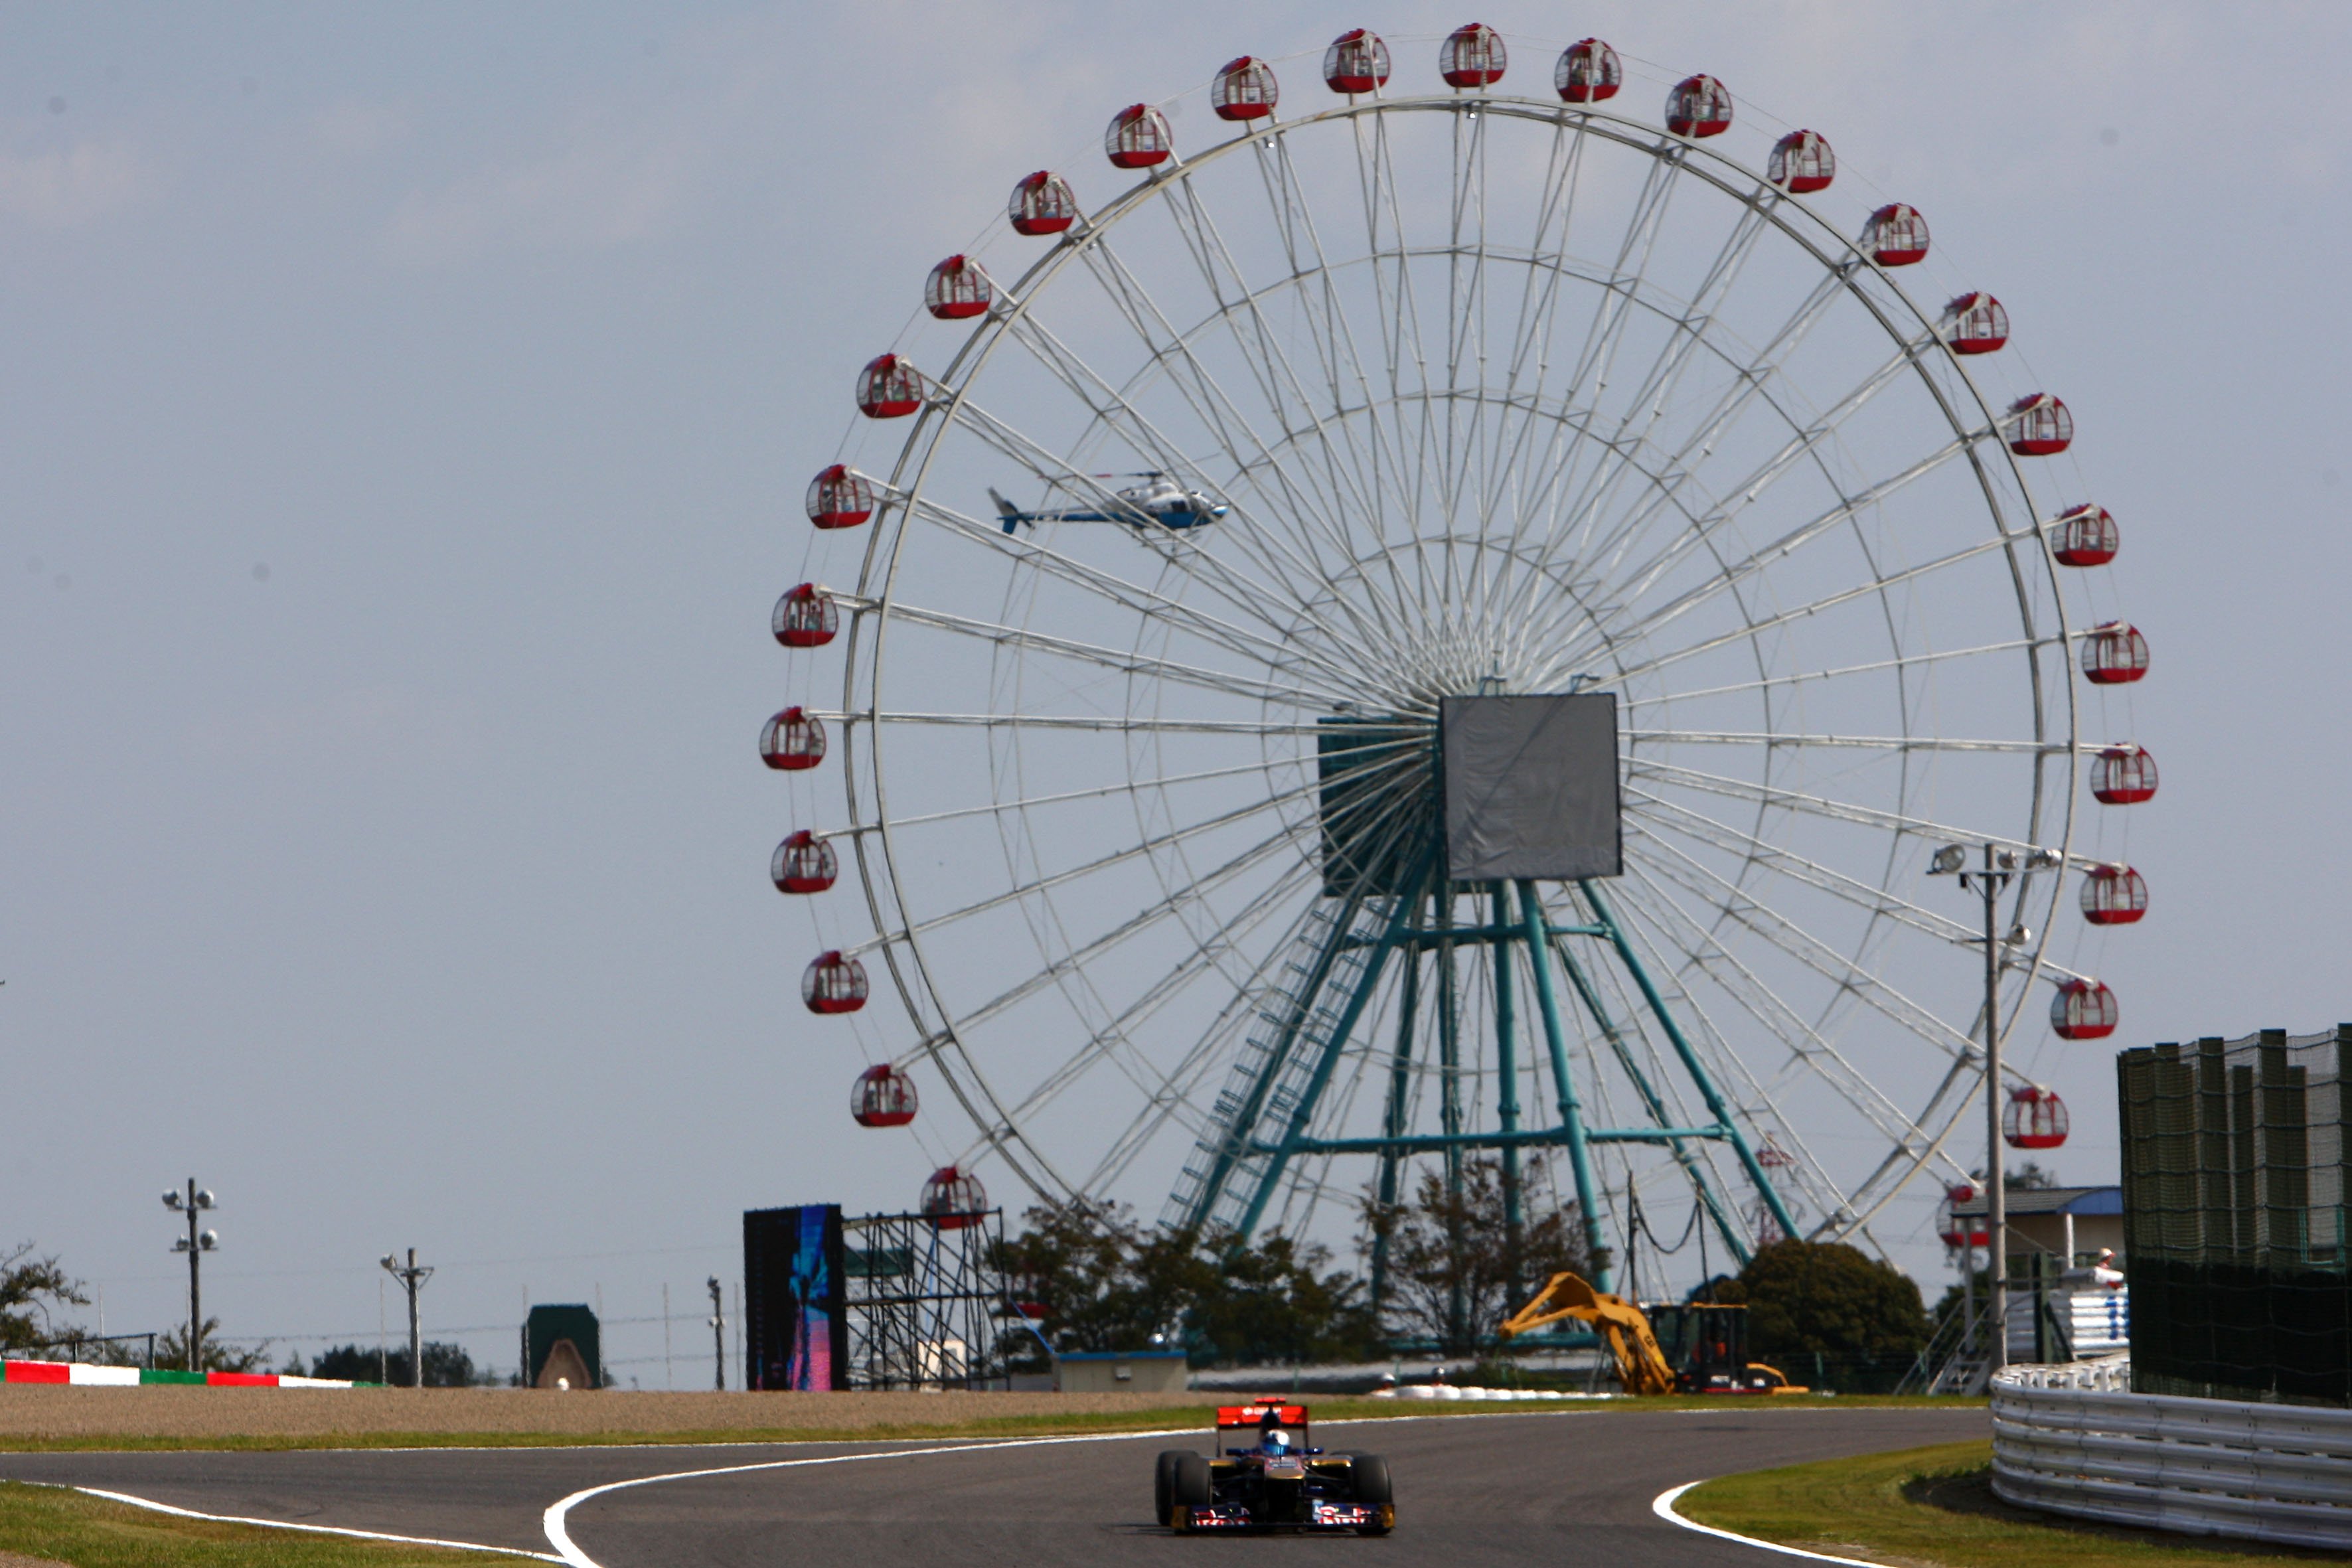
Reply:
x=961, y=376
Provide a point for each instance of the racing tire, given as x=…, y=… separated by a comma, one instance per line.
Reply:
x=1190, y=1486
x=1373, y=1487
x=1163, y=1486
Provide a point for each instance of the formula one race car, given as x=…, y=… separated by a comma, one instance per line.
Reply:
x=1272, y=1479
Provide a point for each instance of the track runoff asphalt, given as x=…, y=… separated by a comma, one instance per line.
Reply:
x=1561, y=1489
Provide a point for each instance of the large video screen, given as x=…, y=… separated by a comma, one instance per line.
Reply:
x=795, y=1333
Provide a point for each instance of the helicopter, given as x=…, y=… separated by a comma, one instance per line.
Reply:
x=1158, y=498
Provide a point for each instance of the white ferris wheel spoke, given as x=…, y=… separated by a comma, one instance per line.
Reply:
x=1132, y=597
x=1064, y=798
x=1810, y=1175
x=1816, y=805
x=1902, y=662
x=1025, y=889
x=1740, y=571
x=1211, y=570
x=1781, y=738
x=1118, y=661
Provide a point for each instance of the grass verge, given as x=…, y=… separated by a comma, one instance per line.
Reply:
x=1934, y=1507
x=1073, y=1423
x=51, y=1524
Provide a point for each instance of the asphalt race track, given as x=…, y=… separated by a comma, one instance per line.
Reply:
x=1564, y=1491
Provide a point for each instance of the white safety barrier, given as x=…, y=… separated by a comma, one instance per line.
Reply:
x=2075, y=1440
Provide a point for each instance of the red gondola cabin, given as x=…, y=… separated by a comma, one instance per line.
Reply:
x=1589, y=72
x=806, y=617
x=2084, y=1010
x=1699, y=106
x=1956, y=1231
x=2085, y=535
x=2122, y=775
x=2038, y=426
x=792, y=741
x=1042, y=203
x=953, y=1199
x=1473, y=56
x=882, y=1096
x=957, y=290
x=1895, y=236
x=2113, y=652
x=1357, y=61
x=1801, y=164
x=2034, y=1119
x=2114, y=896
x=1244, y=90
x=1137, y=138
x=888, y=388
x=1975, y=324
x=804, y=863
x=834, y=983
x=840, y=498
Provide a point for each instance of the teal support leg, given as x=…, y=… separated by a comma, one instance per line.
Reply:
x=1506, y=1096
x=1399, y=918
x=1571, y=1114
x=1399, y=1087
x=1449, y=1071
x=1245, y=1124
x=1702, y=1180
x=1715, y=1105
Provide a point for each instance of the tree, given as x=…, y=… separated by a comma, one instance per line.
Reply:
x=1456, y=1270
x=172, y=1350
x=1099, y=1281
x=1273, y=1302
x=33, y=1290
x=446, y=1365
x=1826, y=1298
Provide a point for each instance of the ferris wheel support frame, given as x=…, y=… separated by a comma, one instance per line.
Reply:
x=1536, y=934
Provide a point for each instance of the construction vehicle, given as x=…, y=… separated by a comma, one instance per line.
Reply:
x=1705, y=1350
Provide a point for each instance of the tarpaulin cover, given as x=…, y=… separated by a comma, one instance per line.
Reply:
x=1530, y=787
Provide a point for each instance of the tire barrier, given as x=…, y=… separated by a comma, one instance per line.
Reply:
x=2076, y=1440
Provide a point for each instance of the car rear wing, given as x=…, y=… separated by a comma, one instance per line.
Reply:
x=1258, y=1414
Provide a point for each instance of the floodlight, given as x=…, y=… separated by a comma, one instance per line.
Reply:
x=211, y=1239
x=2044, y=861
x=205, y=1198
x=1949, y=859
x=172, y=1199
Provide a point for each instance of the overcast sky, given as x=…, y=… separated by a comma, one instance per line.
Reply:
x=405, y=414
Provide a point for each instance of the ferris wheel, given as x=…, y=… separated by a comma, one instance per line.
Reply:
x=1156, y=566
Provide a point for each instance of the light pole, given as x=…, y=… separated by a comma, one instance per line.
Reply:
x=1986, y=881
x=719, y=1331
x=412, y=1279
x=195, y=1244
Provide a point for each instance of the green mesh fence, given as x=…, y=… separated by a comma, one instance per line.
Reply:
x=2233, y=1174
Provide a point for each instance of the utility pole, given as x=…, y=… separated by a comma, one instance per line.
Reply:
x=195, y=1244
x=413, y=1279
x=719, y=1331
x=1988, y=880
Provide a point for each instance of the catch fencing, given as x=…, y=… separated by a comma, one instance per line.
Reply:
x=2076, y=1440
x=2235, y=1166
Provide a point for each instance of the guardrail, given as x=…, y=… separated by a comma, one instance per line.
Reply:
x=2074, y=1440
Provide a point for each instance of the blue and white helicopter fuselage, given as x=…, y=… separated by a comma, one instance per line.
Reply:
x=1159, y=500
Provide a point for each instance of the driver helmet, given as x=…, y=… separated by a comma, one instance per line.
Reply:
x=1277, y=1441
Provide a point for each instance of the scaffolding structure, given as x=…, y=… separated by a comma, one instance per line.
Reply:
x=925, y=1303
x=2234, y=1187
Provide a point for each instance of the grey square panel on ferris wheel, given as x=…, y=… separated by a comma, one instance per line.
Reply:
x=1529, y=786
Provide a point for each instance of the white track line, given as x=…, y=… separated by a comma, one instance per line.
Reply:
x=310, y=1529
x=568, y=1552
x=1663, y=1505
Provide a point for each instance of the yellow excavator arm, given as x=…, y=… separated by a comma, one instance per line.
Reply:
x=1641, y=1365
